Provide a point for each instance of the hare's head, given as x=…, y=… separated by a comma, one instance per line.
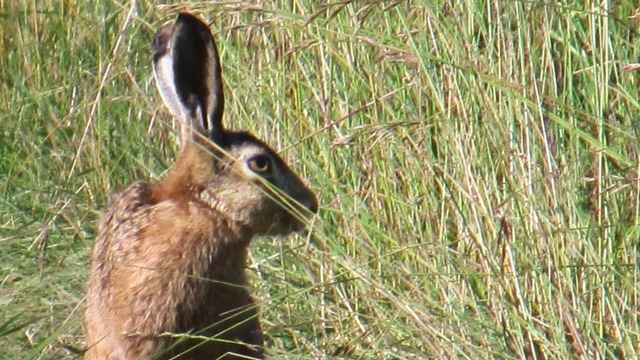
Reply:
x=234, y=173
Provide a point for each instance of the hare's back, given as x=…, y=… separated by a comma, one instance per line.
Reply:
x=119, y=228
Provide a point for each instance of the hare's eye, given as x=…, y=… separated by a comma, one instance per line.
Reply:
x=260, y=164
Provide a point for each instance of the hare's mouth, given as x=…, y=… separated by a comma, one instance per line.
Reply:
x=287, y=224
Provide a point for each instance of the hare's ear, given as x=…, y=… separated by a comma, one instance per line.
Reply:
x=188, y=76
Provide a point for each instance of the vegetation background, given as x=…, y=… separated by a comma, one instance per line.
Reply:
x=477, y=164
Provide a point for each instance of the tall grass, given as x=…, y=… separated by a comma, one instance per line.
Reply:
x=476, y=164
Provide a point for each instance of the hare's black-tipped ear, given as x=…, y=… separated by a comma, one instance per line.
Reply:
x=188, y=75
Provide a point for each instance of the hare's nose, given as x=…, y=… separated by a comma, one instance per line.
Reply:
x=310, y=202
x=313, y=206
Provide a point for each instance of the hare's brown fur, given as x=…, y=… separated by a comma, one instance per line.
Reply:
x=169, y=258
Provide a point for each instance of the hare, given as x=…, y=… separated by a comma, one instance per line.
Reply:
x=167, y=274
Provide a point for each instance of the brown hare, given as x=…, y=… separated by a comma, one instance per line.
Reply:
x=167, y=273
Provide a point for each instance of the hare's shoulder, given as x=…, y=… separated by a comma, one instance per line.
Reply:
x=126, y=215
x=131, y=202
x=135, y=220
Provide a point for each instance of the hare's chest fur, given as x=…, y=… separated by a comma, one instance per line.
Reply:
x=169, y=268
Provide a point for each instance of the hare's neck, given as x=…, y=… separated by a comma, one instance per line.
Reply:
x=226, y=261
x=222, y=245
x=216, y=282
